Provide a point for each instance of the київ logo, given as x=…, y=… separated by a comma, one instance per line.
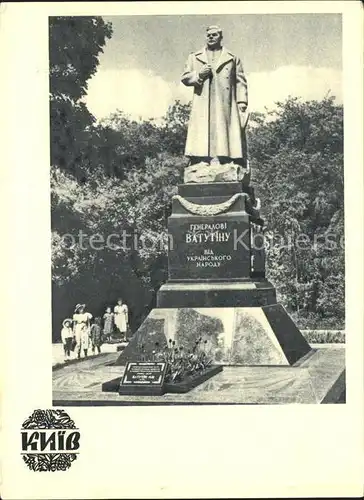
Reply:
x=50, y=440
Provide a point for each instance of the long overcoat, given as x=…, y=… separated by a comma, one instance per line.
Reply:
x=215, y=127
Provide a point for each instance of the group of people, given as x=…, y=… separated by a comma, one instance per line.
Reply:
x=83, y=332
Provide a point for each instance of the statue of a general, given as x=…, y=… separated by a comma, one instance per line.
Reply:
x=218, y=117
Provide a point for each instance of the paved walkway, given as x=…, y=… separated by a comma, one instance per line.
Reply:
x=58, y=353
x=317, y=378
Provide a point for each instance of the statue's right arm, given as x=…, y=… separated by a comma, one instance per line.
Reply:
x=190, y=76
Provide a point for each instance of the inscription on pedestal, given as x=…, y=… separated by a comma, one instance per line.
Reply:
x=209, y=247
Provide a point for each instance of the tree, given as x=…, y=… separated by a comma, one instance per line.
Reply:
x=129, y=142
x=175, y=127
x=74, y=46
x=124, y=143
x=297, y=163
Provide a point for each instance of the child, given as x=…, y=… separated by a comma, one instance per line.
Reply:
x=108, y=323
x=96, y=335
x=67, y=338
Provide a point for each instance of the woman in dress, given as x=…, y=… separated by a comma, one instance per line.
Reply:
x=121, y=318
x=108, y=323
x=81, y=329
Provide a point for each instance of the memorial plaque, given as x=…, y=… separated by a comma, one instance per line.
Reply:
x=141, y=377
x=209, y=247
x=148, y=379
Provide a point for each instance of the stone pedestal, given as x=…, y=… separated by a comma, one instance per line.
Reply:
x=212, y=261
x=216, y=286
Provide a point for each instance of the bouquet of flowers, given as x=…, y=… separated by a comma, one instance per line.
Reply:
x=181, y=363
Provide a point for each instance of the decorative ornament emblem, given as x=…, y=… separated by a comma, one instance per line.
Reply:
x=208, y=210
x=50, y=441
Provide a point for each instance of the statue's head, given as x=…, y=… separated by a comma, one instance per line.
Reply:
x=213, y=36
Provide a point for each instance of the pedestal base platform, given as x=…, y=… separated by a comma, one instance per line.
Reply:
x=318, y=378
x=216, y=294
x=248, y=336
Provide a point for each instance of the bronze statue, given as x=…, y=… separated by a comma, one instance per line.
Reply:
x=216, y=130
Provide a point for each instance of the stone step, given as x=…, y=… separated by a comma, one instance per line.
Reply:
x=216, y=294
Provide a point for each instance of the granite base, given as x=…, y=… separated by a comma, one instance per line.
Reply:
x=247, y=336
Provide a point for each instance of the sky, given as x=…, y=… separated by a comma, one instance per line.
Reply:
x=283, y=55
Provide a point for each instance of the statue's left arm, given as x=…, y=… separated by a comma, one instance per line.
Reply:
x=241, y=83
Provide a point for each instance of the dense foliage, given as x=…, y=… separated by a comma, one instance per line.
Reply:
x=117, y=178
x=297, y=161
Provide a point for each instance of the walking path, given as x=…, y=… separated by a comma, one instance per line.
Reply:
x=58, y=353
x=319, y=378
